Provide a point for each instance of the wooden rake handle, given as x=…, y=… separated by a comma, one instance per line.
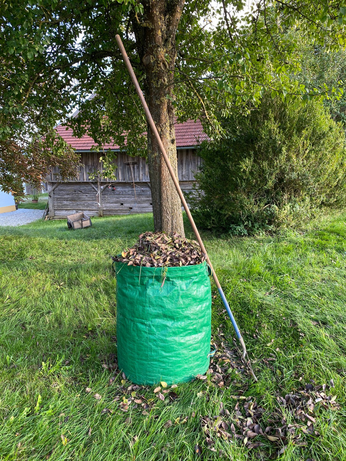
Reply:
x=177, y=186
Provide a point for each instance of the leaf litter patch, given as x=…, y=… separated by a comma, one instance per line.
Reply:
x=298, y=407
x=128, y=396
x=293, y=420
x=161, y=250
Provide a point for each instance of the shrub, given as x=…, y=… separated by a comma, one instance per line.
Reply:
x=274, y=167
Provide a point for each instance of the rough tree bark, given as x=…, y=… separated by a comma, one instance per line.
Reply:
x=156, y=48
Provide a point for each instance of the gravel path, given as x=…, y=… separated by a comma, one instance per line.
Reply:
x=20, y=217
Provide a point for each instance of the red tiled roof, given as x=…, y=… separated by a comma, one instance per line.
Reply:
x=188, y=134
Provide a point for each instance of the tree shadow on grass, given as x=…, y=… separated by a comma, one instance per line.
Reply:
x=102, y=228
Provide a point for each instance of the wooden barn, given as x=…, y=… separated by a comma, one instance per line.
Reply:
x=130, y=193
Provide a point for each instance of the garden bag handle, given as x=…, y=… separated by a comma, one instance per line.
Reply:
x=177, y=186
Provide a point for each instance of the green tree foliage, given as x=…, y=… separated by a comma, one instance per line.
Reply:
x=274, y=168
x=324, y=72
x=29, y=146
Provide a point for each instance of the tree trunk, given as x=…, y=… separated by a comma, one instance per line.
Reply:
x=158, y=53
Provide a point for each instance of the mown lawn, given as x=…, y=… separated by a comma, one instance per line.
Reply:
x=29, y=204
x=63, y=398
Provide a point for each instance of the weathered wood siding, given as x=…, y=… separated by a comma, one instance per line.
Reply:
x=129, y=169
x=130, y=193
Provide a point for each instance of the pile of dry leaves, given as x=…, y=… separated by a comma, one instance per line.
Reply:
x=161, y=250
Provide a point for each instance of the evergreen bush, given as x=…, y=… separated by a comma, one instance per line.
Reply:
x=274, y=168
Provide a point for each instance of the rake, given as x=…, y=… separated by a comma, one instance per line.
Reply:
x=181, y=195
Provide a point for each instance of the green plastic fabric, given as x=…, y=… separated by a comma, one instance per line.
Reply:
x=163, y=322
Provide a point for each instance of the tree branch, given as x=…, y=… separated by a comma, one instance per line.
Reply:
x=188, y=81
x=297, y=10
x=226, y=19
x=174, y=17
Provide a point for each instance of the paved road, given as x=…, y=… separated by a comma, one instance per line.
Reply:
x=20, y=217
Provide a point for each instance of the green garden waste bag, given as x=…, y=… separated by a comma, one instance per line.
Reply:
x=163, y=322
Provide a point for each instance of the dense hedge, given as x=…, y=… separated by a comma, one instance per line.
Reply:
x=274, y=167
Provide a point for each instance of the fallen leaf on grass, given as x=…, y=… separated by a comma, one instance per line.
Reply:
x=98, y=396
x=134, y=440
x=157, y=389
x=106, y=410
x=252, y=445
x=272, y=438
x=163, y=384
x=201, y=377
x=281, y=452
x=251, y=434
x=64, y=440
x=161, y=396
x=310, y=417
x=168, y=424
x=198, y=450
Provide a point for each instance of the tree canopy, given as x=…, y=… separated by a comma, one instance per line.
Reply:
x=325, y=72
x=23, y=161
x=194, y=60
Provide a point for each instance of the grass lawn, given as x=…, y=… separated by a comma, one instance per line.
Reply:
x=63, y=398
x=40, y=205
